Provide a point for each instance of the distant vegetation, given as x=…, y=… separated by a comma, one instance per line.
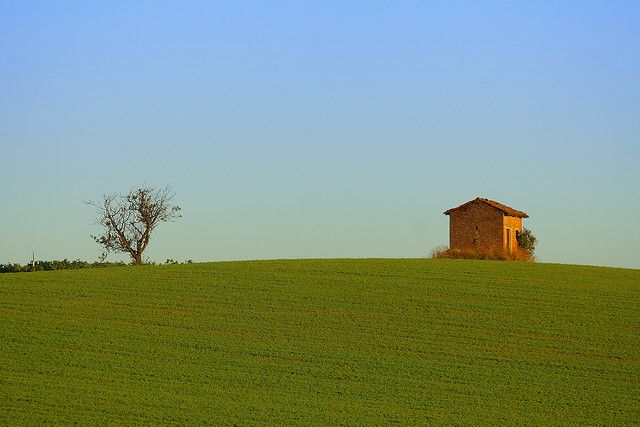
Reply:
x=322, y=342
x=65, y=264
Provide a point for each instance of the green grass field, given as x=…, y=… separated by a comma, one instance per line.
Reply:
x=322, y=342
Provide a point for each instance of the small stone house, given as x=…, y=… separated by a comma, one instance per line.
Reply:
x=484, y=225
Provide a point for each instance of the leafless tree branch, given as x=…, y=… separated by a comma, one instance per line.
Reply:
x=129, y=220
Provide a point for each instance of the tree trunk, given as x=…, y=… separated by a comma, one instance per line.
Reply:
x=137, y=259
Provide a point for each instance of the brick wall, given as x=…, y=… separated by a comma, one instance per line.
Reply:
x=477, y=226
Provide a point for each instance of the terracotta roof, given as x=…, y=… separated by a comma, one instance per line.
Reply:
x=503, y=208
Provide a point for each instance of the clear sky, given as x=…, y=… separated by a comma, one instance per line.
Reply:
x=321, y=129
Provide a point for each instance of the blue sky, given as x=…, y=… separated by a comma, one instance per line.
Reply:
x=321, y=129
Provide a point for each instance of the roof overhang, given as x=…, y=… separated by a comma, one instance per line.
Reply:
x=506, y=210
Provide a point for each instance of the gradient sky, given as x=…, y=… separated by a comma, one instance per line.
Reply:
x=321, y=129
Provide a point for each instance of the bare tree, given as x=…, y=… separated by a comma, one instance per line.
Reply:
x=129, y=220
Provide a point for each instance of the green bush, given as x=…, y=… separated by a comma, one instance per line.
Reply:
x=526, y=240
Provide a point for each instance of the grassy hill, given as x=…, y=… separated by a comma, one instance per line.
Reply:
x=322, y=342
